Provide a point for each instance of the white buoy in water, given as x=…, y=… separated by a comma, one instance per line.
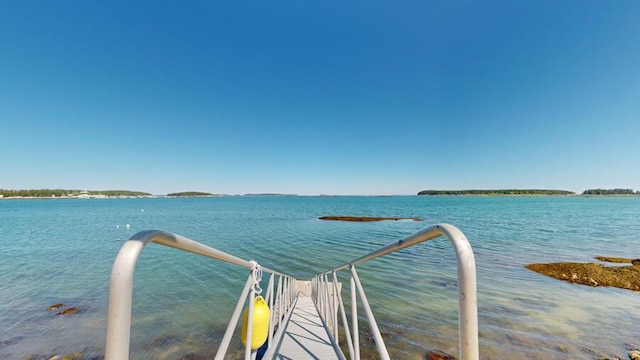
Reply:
x=127, y=226
x=117, y=226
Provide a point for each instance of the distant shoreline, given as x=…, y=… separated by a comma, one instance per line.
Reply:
x=126, y=194
x=220, y=196
x=498, y=192
x=527, y=195
x=530, y=192
x=74, y=197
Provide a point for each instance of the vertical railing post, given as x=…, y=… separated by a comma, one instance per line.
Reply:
x=280, y=299
x=285, y=295
x=375, y=331
x=228, y=334
x=326, y=301
x=120, y=299
x=313, y=289
x=343, y=314
x=289, y=291
x=354, y=315
x=467, y=293
x=320, y=298
x=330, y=305
x=270, y=291
x=334, y=301
x=247, y=347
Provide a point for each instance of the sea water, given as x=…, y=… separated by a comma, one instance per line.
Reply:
x=61, y=251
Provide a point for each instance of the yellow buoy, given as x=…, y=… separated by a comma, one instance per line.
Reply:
x=260, y=329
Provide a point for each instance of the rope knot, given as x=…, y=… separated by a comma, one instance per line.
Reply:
x=256, y=275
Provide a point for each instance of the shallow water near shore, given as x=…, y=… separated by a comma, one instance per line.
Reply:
x=61, y=251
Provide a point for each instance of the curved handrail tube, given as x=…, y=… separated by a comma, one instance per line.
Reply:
x=180, y=242
x=121, y=282
x=429, y=233
x=467, y=288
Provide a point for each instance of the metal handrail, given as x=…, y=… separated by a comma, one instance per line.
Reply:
x=121, y=287
x=467, y=292
x=328, y=301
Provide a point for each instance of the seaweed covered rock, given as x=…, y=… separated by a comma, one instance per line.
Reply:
x=55, y=307
x=623, y=277
x=438, y=355
x=68, y=311
x=614, y=259
x=365, y=218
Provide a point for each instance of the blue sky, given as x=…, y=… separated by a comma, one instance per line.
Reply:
x=331, y=97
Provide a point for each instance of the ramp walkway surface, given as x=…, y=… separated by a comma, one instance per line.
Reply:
x=304, y=335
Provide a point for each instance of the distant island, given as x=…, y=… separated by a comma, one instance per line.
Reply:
x=366, y=218
x=497, y=192
x=532, y=192
x=610, y=192
x=270, y=194
x=63, y=193
x=191, y=194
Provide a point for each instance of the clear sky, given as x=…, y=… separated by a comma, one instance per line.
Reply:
x=325, y=97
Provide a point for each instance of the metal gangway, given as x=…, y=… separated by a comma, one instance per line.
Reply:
x=305, y=314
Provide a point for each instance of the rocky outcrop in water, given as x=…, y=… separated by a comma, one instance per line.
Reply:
x=365, y=218
x=78, y=355
x=592, y=274
x=55, y=307
x=617, y=260
x=67, y=311
x=438, y=355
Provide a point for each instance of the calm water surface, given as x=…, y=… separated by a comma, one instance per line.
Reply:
x=61, y=251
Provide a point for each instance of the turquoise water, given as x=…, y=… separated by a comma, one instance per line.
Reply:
x=61, y=251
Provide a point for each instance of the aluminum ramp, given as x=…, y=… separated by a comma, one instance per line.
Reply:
x=301, y=332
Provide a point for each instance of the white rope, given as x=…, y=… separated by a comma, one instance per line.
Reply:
x=256, y=275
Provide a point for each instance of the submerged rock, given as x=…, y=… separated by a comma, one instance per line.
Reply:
x=194, y=356
x=86, y=354
x=616, y=260
x=55, y=307
x=365, y=218
x=68, y=311
x=438, y=355
x=623, y=277
x=366, y=333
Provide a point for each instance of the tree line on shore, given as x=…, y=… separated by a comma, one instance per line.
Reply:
x=610, y=192
x=190, y=194
x=529, y=192
x=115, y=193
x=68, y=193
x=497, y=192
